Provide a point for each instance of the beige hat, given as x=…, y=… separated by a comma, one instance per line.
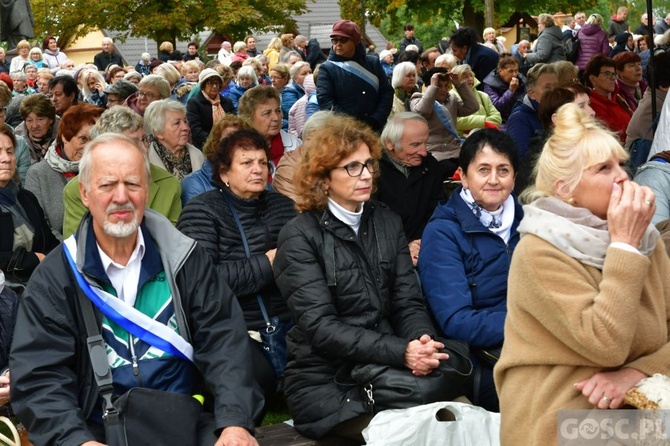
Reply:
x=206, y=74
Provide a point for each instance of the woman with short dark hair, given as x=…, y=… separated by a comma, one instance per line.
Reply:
x=466, y=251
x=53, y=56
x=242, y=208
x=629, y=77
x=606, y=101
x=505, y=85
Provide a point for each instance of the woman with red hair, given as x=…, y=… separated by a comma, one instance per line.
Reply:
x=629, y=71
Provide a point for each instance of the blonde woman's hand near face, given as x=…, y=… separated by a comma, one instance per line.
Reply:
x=630, y=211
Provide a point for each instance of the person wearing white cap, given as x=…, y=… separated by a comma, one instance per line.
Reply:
x=207, y=107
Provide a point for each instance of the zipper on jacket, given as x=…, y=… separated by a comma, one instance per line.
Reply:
x=136, y=366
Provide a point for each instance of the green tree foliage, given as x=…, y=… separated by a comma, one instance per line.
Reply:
x=161, y=19
x=434, y=19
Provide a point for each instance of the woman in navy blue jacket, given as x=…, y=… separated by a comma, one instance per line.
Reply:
x=466, y=250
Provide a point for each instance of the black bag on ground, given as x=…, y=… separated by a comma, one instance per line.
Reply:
x=386, y=387
x=148, y=417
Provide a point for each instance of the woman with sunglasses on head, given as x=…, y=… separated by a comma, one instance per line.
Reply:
x=344, y=270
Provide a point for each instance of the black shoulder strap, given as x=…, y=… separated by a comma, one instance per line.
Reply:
x=247, y=252
x=98, y=355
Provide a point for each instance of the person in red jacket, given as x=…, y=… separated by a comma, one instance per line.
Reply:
x=610, y=107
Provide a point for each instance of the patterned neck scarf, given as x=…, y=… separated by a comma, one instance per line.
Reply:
x=57, y=160
x=490, y=220
x=178, y=165
x=499, y=221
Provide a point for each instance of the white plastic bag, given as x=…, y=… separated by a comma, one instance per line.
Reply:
x=422, y=426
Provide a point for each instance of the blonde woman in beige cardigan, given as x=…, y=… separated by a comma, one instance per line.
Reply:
x=589, y=286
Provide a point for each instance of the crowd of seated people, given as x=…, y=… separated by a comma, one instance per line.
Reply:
x=181, y=189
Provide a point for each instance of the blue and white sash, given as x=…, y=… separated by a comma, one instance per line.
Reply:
x=359, y=71
x=133, y=321
x=447, y=122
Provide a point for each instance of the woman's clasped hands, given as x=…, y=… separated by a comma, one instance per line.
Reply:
x=423, y=355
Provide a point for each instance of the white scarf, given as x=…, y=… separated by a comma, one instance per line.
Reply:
x=575, y=231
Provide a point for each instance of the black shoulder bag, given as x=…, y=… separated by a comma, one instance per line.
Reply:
x=273, y=336
x=141, y=416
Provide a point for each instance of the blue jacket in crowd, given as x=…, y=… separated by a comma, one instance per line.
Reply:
x=454, y=246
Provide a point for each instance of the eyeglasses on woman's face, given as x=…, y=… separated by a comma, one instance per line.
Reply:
x=355, y=169
x=610, y=75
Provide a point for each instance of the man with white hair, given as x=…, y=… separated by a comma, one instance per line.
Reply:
x=226, y=53
x=410, y=182
x=107, y=56
x=162, y=317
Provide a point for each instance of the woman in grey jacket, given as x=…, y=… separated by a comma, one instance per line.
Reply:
x=548, y=47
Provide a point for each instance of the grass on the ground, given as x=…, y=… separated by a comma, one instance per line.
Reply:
x=277, y=410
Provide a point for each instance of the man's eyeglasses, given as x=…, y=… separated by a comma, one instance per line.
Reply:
x=355, y=169
x=342, y=40
x=611, y=75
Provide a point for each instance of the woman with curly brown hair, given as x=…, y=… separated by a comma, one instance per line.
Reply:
x=344, y=270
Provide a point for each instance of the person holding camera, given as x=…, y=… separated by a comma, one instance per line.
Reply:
x=440, y=105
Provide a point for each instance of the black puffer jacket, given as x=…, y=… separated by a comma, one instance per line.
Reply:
x=9, y=303
x=18, y=264
x=353, y=299
x=208, y=219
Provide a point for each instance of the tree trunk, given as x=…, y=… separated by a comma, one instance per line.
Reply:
x=473, y=18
